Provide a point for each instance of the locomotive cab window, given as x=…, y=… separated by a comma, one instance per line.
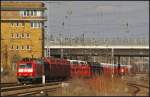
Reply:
x=28, y=65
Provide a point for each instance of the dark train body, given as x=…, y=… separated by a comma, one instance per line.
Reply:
x=32, y=70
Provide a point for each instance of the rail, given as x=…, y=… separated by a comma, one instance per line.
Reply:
x=29, y=89
x=9, y=84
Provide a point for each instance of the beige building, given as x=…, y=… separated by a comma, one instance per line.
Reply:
x=22, y=31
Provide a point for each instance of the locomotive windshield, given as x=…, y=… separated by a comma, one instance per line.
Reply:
x=28, y=65
x=74, y=62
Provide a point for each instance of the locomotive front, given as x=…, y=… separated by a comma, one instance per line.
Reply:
x=25, y=71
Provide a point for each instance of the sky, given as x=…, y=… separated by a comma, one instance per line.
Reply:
x=98, y=19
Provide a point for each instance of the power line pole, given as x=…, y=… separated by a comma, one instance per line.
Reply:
x=61, y=44
x=112, y=60
x=46, y=42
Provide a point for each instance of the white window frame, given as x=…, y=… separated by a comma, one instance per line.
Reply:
x=21, y=13
x=30, y=13
x=40, y=24
x=39, y=13
x=22, y=35
x=17, y=47
x=35, y=25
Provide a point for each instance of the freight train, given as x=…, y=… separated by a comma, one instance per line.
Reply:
x=32, y=70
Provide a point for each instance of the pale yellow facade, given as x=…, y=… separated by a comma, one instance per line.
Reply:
x=22, y=30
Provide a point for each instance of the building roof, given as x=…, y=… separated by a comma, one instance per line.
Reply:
x=14, y=5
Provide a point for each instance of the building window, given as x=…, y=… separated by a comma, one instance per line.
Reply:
x=36, y=24
x=22, y=47
x=28, y=47
x=30, y=13
x=39, y=25
x=17, y=24
x=21, y=13
x=12, y=24
x=34, y=13
x=32, y=24
x=39, y=13
x=27, y=35
x=24, y=13
x=22, y=35
x=12, y=47
x=17, y=35
x=12, y=35
x=17, y=47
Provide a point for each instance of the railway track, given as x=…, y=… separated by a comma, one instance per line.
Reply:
x=30, y=89
x=138, y=84
x=139, y=87
x=9, y=84
x=40, y=92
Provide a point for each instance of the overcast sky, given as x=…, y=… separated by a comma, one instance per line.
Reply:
x=98, y=18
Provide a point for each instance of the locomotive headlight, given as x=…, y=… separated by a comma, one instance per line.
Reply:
x=122, y=70
x=20, y=70
x=30, y=70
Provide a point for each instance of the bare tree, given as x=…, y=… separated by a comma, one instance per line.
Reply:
x=15, y=57
x=4, y=56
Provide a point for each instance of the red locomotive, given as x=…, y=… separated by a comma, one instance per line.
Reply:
x=29, y=70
